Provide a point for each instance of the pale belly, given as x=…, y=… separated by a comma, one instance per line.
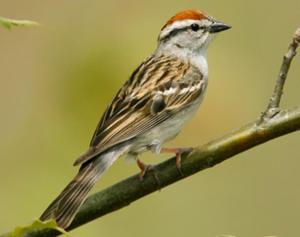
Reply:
x=166, y=131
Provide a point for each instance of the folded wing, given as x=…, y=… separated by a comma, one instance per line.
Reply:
x=157, y=90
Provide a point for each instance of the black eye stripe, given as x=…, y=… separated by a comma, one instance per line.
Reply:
x=175, y=32
x=178, y=30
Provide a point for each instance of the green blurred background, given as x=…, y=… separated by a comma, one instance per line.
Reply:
x=57, y=79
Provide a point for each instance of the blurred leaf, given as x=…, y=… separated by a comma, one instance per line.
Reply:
x=9, y=23
x=36, y=225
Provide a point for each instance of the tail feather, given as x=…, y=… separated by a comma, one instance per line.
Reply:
x=76, y=195
x=64, y=208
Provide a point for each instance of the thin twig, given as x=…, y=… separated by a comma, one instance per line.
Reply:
x=273, y=106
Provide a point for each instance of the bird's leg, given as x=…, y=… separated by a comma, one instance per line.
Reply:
x=178, y=152
x=143, y=167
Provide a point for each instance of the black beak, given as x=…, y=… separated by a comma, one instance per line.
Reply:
x=218, y=26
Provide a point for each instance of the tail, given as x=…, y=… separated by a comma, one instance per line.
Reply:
x=64, y=208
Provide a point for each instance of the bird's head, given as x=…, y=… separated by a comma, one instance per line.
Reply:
x=190, y=31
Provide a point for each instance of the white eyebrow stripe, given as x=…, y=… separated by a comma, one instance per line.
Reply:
x=180, y=25
x=176, y=25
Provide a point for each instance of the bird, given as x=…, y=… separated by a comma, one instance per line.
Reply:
x=151, y=108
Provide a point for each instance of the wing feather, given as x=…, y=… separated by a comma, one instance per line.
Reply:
x=129, y=114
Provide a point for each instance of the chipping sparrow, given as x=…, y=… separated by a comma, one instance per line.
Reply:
x=150, y=109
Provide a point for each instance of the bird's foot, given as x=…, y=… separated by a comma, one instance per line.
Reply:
x=178, y=152
x=144, y=168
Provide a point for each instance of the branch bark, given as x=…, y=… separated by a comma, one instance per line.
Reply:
x=271, y=124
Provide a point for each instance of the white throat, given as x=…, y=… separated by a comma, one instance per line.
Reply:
x=196, y=58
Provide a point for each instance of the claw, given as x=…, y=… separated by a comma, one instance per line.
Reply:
x=144, y=168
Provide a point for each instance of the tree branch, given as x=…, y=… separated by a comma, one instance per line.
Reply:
x=273, y=106
x=272, y=124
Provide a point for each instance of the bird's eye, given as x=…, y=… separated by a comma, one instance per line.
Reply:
x=195, y=27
